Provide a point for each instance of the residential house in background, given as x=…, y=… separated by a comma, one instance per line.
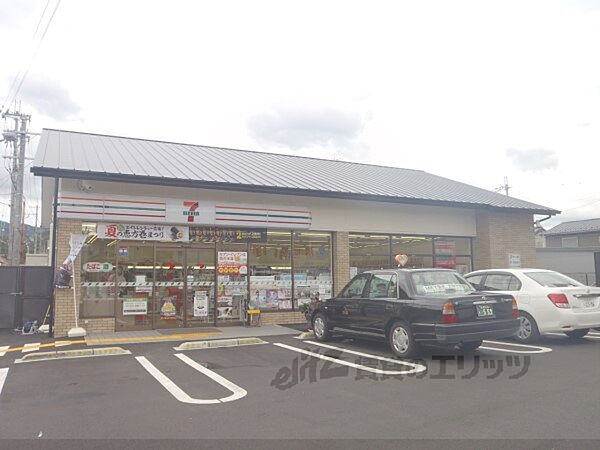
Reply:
x=572, y=248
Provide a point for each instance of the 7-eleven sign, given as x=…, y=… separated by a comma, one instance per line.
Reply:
x=191, y=210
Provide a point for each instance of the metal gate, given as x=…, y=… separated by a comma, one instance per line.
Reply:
x=25, y=294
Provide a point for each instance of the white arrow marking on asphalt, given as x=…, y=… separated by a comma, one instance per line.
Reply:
x=180, y=395
x=3, y=350
x=3, y=374
x=415, y=368
x=535, y=348
x=31, y=347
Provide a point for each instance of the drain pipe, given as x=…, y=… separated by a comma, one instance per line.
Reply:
x=53, y=257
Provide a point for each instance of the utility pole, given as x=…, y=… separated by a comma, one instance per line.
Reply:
x=35, y=235
x=505, y=187
x=18, y=138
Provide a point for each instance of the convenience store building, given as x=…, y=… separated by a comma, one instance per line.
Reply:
x=182, y=235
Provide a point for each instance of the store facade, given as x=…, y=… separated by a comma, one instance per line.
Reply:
x=163, y=254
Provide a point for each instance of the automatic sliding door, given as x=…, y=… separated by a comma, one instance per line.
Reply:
x=200, y=279
x=169, y=287
x=232, y=282
x=133, y=279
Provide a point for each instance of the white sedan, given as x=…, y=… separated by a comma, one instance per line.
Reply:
x=548, y=301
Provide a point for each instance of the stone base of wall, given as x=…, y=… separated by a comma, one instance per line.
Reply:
x=279, y=318
x=102, y=325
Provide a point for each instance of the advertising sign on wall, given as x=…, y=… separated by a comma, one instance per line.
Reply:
x=143, y=232
x=200, y=304
x=168, y=311
x=204, y=234
x=445, y=251
x=514, y=260
x=135, y=307
x=232, y=263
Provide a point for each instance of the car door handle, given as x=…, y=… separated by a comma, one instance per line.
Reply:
x=389, y=306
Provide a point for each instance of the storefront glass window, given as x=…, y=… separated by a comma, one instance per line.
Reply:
x=312, y=266
x=271, y=272
x=417, y=248
x=97, y=269
x=452, y=253
x=368, y=252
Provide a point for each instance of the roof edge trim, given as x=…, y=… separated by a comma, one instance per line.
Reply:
x=100, y=176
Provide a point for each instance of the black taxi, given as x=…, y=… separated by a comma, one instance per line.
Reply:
x=413, y=307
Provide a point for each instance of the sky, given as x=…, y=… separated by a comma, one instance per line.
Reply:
x=474, y=91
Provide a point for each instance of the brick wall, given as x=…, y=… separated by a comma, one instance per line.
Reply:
x=272, y=318
x=64, y=312
x=100, y=325
x=501, y=233
x=341, y=260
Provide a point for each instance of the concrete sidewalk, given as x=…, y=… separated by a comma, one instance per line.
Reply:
x=187, y=334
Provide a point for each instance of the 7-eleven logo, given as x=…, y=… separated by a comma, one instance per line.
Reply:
x=191, y=212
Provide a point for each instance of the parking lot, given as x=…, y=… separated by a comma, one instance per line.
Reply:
x=286, y=387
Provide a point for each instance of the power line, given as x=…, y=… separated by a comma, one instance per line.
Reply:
x=33, y=57
x=18, y=74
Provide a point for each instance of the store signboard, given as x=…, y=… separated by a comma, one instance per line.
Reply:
x=135, y=307
x=184, y=211
x=95, y=267
x=208, y=235
x=190, y=211
x=143, y=232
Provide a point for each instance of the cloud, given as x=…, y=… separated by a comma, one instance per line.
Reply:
x=12, y=12
x=49, y=98
x=533, y=160
x=300, y=128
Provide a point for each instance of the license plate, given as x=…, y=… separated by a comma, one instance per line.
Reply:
x=588, y=303
x=484, y=310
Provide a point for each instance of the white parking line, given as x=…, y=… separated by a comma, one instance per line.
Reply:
x=180, y=395
x=31, y=347
x=415, y=368
x=3, y=374
x=535, y=348
x=564, y=335
x=3, y=349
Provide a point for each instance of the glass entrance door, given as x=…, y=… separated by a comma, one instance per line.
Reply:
x=232, y=282
x=169, y=296
x=133, y=286
x=200, y=277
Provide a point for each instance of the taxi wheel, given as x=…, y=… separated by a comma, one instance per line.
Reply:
x=320, y=327
x=401, y=340
x=528, y=330
x=577, y=334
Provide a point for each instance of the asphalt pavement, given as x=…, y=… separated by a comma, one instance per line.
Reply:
x=293, y=389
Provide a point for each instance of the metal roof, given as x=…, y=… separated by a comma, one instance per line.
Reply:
x=575, y=227
x=70, y=154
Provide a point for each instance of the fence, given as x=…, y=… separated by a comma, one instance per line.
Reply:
x=25, y=294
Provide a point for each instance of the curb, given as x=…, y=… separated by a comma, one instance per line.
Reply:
x=219, y=343
x=71, y=354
